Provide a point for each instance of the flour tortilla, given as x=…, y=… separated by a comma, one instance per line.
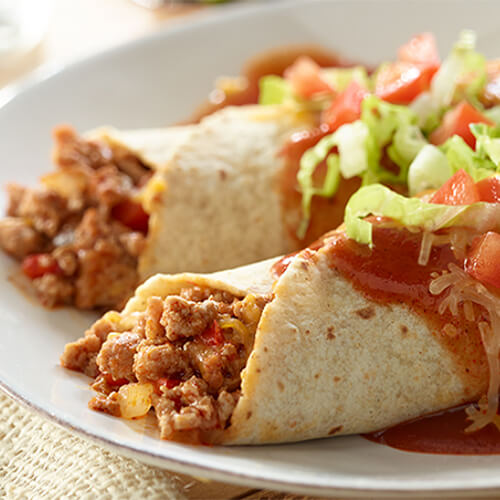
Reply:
x=326, y=360
x=214, y=201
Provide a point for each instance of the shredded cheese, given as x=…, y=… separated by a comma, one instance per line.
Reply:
x=466, y=291
x=425, y=248
x=239, y=327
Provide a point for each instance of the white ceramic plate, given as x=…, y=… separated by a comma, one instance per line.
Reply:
x=159, y=80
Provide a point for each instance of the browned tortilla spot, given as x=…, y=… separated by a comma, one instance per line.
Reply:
x=307, y=332
x=265, y=349
x=334, y=430
x=366, y=312
x=316, y=375
x=404, y=329
x=249, y=414
x=330, y=335
x=293, y=424
x=281, y=387
x=336, y=379
x=222, y=174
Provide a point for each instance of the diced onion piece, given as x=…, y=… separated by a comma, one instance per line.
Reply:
x=69, y=183
x=135, y=400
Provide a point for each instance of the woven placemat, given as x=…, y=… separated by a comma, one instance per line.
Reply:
x=40, y=460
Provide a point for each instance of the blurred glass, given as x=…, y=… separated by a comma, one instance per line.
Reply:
x=23, y=24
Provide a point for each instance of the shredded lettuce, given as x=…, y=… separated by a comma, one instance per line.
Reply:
x=461, y=156
x=429, y=170
x=351, y=142
x=493, y=114
x=274, y=90
x=340, y=78
x=393, y=126
x=360, y=147
x=407, y=142
x=487, y=142
x=352, y=160
x=461, y=76
x=308, y=164
x=380, y=201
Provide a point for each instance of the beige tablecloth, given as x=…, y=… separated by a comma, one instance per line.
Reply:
x=40, y=460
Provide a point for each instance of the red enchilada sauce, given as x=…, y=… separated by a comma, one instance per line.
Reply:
x=389, y=274
x=443, y=433
x=272, y=62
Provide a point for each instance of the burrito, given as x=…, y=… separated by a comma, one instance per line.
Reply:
x=385, y=319
x=124, y=205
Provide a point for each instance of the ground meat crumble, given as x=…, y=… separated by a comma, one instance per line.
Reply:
x=186, y=351
x=79, y=234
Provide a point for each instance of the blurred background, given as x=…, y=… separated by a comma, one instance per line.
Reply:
x=33, y=32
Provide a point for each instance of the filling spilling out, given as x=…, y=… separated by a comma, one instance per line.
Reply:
x=182, y=357
x=78, y=235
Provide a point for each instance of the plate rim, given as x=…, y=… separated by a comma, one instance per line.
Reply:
x=46, y=72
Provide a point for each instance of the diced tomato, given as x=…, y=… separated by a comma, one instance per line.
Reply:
x=346, y=107
x=213, y=335
x=456, y=122
x=300, y=142
x=493, y=69
x=40, y=264
x=421, y=49
x=115, y=382
x=483, y=258
x=402, y=81
x=489, y=189
x=459, y=189
x=132, y=215
x=305, y=76
x=169, y=383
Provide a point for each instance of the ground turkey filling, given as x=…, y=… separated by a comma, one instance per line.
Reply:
x=183, y=356
x=80, y=233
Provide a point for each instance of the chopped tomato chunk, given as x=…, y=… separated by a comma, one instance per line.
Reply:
x=169, y=383
x=114, y=382
x=421, y=49
x=346, y=107
x=402, y=81
x=483, y=259
x=489, y=189
x=456, y=122
x=40, y=264
x=305, y=76
x=213, y=335
x=301, y=141
x=132, y=215
x=459, y=189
